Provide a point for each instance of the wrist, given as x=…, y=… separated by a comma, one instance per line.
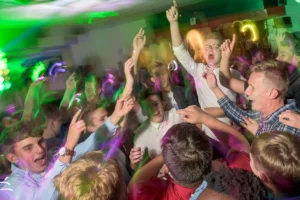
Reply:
x=115, y=118
x=70, y=146
x=174, y=22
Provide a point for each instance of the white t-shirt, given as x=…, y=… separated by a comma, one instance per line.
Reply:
x=149, y=134
x=206, y=97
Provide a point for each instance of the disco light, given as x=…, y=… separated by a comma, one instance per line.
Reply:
x=4, y=78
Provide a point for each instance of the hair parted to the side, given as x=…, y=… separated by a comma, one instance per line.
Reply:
x=276, y=73
x=278, y=155
x=91, y=177
x=156, y=64
x=187, y=153
x=18, y=132
x=236, y=183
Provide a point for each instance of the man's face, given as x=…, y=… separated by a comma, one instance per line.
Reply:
x=259, y=57
x=212, y=52
x=31, y=154
x=285, y=54
x=98, y=117
x=155, y=110
x=160, y=75
x=258, y=91
x=90, y=90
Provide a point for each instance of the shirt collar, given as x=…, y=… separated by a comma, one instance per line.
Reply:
x=291, y=105
x=155, y=125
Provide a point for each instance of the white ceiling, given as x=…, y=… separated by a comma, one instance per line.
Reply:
x=12, y=11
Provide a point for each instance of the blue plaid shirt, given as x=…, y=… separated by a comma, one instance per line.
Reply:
x=270, y=123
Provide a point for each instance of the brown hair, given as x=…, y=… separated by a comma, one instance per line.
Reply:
x=278, y=155
x=275, y=72
x=156, y=64
x=214, y=35
x=187, y=153
x=91, y=177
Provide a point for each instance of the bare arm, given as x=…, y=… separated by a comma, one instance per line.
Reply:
x=215, y=112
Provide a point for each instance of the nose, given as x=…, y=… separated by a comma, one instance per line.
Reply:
x=278, y=58
x=40, y=149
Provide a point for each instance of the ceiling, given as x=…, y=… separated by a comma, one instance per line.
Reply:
x=15, y=13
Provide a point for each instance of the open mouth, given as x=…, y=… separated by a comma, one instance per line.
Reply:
x=41, y=160
x=211, y=56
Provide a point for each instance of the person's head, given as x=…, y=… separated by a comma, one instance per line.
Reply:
x=23, y=145
x=212, y=50
x=242, y=64
x=268, y=83
x=94, y=116
x=289, y=49
x=275, y=159
x=160, y=74
x=187, y=154
x=92, y=87
x=233, y=184
x=152, y=103
x=91, y=177
x=54, y=118
x=258, y=55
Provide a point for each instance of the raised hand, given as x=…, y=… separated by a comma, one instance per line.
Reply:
x=128, y=70
x=279, y=37
x=135, y=155
x=172, y=14
x=71, y=82
x=76, y=128
x=227, y=47
x=290, y=118
x=139, y=40
x=211, y=80
x=250, y=124
x=191, y=114
x=123, y=107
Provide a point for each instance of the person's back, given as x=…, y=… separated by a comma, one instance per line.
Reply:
x=187, y=155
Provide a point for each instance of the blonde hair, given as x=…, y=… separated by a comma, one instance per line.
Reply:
x=91, y=177
x=214, y=35
x=156, y=64
x=278, y=155
x=276, y=73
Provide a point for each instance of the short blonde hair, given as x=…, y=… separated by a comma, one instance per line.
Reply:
x=275, y=72
x=156, y=64
x=214, y=35
x=91, y=177
x=278, y=155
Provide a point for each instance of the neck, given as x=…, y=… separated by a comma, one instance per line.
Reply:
x=213, y=66
x=272, y=107
x=48, y=133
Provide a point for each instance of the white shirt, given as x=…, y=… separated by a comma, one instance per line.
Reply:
x=148, y=136
x=206, y=97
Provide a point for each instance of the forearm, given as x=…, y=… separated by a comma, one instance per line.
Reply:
x=31, y=104
x=175, y=34
x=135, y=56
x=218, y=92
x=215, y=112
x=68, y=95
x=150, y=170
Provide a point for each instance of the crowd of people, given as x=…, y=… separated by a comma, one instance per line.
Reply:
x=228, y=128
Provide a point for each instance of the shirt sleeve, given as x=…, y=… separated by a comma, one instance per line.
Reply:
x=185, y=59
x=96, y=139
x=233, y=112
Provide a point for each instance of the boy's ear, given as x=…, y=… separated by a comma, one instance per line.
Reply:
x=11, y=157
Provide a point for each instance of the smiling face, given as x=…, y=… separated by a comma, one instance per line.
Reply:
x=30, y=154
x=212, y=52
x=258, y=91
x=155, y=109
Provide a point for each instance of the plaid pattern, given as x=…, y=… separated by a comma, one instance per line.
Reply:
x=270, y=123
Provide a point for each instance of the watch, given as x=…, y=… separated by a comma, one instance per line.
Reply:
x=66, y=152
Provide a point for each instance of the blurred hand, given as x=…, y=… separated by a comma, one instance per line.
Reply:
x=139, y=40
x=279, y=37
x=135, y=155
x=227, y=47
x=211, y=80
x=290, y=118
x=123, y=107
x=250, y=124
x=172, y=14
x=192, y=114
x=71, y=82
x=76, y=128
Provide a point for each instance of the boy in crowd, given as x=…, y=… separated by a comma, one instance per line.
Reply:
x=268, y=85
x=93, y=176
x=187, y=154
x=212, y=56
x=233, y=184
x=24, y=147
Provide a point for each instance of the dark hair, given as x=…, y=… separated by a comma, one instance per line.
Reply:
x=51, y=111
x=18, y=132
x=237, y=183
x=187, y=153
x=149, y=92
x=89, y=109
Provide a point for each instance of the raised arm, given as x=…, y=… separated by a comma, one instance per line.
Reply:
x=69, y=92
x=225, y=76
x=195, y=115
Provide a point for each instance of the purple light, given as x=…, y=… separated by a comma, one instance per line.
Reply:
x=11, y=109
x=57, y=64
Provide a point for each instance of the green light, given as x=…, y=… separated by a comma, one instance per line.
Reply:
x=39, y=68
x=1, y=87
x=1, y=79
x=7, y=85
x=100, y=15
